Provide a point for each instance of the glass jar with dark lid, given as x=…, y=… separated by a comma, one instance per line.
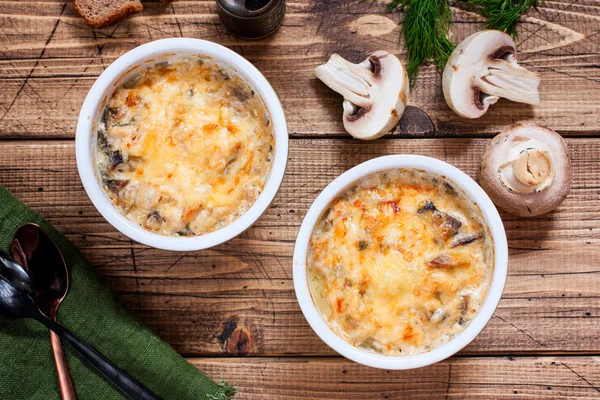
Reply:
x=251, y=19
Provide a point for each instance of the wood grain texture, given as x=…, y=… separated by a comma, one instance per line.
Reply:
x=49, y=58
x=238, y=298
x=458, y=378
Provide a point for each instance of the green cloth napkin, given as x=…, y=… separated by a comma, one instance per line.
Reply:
x=91, y=312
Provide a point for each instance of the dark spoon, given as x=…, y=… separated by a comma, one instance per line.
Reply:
x=17, y=301
x=35, y=250
x=14, y=273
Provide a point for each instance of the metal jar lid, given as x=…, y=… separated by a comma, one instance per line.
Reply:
x=251, y=19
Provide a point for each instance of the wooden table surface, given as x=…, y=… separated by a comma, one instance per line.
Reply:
x=232, y=310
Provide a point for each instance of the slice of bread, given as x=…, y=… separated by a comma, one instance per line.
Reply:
x=99, y=13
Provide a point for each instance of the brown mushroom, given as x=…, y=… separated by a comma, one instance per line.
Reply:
x=527, y=170
x=375, y=92
x=483, y=68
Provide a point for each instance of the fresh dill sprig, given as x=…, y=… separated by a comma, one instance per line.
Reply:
x=502, y=15
x=425, y=27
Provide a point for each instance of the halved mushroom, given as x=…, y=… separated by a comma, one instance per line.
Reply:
x=483, y=68
x=375, y=92
x=527, y=170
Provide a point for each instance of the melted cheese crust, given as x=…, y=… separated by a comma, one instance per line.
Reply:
x=400, y=263
x=185, y=147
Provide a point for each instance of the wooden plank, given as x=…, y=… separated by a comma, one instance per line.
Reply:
x=457, y=378
x=207, y=303
x=49, y=58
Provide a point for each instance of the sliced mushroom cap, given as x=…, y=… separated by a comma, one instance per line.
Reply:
x=527, y=170
x=483, y=68
x=375, y=92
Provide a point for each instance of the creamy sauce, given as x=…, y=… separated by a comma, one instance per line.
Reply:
x=400, y=263
x=185, y=147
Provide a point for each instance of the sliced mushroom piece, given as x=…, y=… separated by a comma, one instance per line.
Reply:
x=464, y=308
x=447, y=261
x=115, y=114
x=116, y=158
x=187, y=231
x=438, y=316
x=103, y=139
x=240, y=94
x=116, y=185
x=363, y=244
x=154, y=220
x=447, y=224
x=427, y=206
x=483, y=68
x=133, y=82
x=375, y=92
x=442, y=262
x=466, y=239
x=527, y=170
x=370, y=344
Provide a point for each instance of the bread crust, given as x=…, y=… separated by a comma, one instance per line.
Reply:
x=108, y=18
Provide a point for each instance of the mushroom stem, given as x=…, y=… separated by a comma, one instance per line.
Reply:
x=350, y=80
x=511, y=81
x=529, y=167
x=362, y=70
x=533, y=167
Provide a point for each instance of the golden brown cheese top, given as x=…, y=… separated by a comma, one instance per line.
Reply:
x=400, y=263
x=185, y=147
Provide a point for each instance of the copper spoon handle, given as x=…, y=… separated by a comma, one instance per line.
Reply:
x=67, y=391
x=129, y=387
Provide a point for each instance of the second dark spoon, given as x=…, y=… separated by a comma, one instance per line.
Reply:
x=35, y=250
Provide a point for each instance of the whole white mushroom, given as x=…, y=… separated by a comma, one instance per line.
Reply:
x=527, y=170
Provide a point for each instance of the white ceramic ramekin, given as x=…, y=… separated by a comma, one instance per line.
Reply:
x=132, y=63
x=472, y=191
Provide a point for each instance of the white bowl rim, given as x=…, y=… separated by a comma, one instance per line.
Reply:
x=491, y=217
x=103, y=87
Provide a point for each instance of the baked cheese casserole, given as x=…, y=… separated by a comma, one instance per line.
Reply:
x=400, y=263
x=185, y=147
